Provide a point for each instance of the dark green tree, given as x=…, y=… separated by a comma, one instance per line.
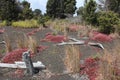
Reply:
x=37, y=13
x=80, y=11
x=69, y=7
x=60, y=8
x=107, y=20
x=89, y=14
x=9, y=10
x=26, y=11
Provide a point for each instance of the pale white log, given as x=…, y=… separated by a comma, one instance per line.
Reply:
x=71, y=43
x=21, y=65
x=96, y=44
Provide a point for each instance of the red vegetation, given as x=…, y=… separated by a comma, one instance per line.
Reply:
x=90, y=68
x=32, y=32
x=73, y=28
x=2, y=31
x=13, y=56
x=16, y=55
x=41, y=48
x=54, y=38
x=101, y=37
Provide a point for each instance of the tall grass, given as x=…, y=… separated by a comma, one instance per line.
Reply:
x=22, y=40
x=8, y=45
x=110, y=65
x=72, y=58
x=58, y=25
x=26, y=24
x=32, y=43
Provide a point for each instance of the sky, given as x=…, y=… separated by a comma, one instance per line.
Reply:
x=41, y=4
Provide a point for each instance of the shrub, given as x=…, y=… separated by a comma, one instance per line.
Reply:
x=26, y=24
x=2, y=24
x=107, y=20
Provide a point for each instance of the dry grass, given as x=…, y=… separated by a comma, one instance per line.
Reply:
x=22, y=41
x=109, y=65
x=8, y=45
x=72, y=58
x=32, y=44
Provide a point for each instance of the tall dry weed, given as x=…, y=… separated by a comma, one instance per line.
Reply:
x=72, y=58
x=110, y=65
x=8, y=45
x=32, y=44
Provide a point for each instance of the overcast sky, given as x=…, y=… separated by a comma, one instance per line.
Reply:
x=41, y=4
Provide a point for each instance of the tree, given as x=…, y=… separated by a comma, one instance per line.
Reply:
x=60, y=8
x=26, y=11
x=69, y=7
x=107, y=20
x=110, y=5
x=37, y=13
x=80, y=11
x=8, y=10
x=89, y=14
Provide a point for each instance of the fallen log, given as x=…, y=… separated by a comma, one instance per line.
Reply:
x=81, y=42
x=20, y=64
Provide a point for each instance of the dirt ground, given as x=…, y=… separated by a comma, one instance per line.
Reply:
x=52, y=57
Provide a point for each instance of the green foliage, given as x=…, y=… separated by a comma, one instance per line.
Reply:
x=88, y=12
x=69, y=6
x=37, y=13
x=107, y=20
x=26, y=11
x=43, y=19
x=80, y=11
x=60, y=8
x=8, y=10
x=2, y=24
x=26, y=24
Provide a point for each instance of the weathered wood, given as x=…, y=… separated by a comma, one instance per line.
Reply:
x=22, y=65
x=96, y=44
x=71, y=43
x=81, y=42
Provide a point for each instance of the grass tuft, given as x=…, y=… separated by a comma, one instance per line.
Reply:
x=72, y=58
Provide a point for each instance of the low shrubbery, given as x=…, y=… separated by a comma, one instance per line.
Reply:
x=3, y=23
x=26, y=24
x=107, y=21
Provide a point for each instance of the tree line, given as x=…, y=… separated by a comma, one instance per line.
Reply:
x=98, y=14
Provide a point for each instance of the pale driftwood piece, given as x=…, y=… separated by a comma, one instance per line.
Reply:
x=22, y=65
x=71, y=43
x=96, y=44
x=2, y=42
x=73, y=39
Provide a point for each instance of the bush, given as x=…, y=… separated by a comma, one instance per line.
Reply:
x=2, y=24
x=107, y=20
x=26, y=24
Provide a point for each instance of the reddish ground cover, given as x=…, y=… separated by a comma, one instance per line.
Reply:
x=41, y=48
x=13, y=56
x=2, y=31
x=54, y=38
x=101, y=37
x=16, y=55
x=32, y=32
x=90, y=68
